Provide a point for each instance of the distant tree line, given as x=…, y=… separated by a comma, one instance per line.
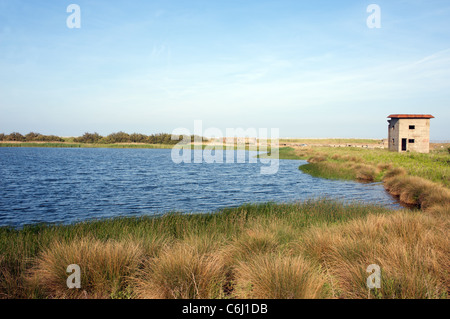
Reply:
x=30, y=137
x=95, y=138
x=122, y=137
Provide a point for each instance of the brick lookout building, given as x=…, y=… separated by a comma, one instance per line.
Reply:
x=409, y=132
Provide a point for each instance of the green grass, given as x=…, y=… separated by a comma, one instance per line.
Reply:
x=20, y=248
x=434, y=166
x=253, y=251
x=287, y=153
x=420, y=180
x=329, y=171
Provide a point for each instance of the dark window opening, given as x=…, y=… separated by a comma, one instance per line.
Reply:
x=411, y=141
x=412, y=127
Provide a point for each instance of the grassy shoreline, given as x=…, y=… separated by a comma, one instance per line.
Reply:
x=314, y=249
x=420, y=180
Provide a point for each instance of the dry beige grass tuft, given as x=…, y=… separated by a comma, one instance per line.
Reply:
x=256, y=240
x=11, y=286
x=413, y=251
x=395, y=171
x=317, y=158
x=105, y=268
x=273, y=276
x=365, y=172
x=417, y=191
x=181, y=271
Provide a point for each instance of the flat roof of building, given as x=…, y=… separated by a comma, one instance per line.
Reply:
x=411, y=116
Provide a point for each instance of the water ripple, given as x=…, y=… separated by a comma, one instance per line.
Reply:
x=69, y=185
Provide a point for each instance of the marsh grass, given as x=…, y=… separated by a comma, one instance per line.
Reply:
x=279, y=277
x=418, y=191
x=411, y=249
x=420, y=180
x=105, y=268
x=329, y=170
x=181, y=271
x=434, y=166
x=410, y=190
x=172, y=256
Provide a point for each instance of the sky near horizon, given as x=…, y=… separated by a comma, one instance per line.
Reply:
x=310, y=68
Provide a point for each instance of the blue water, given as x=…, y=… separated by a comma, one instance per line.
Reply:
x=58, y=185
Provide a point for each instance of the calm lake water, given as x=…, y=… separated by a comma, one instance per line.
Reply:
x=58, y=185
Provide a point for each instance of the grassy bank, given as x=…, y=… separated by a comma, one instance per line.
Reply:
x=421, y=180
x=287, y=153
x=315, y=249
x=434, y=166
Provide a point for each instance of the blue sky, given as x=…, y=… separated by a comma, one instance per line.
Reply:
x=309, y=68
